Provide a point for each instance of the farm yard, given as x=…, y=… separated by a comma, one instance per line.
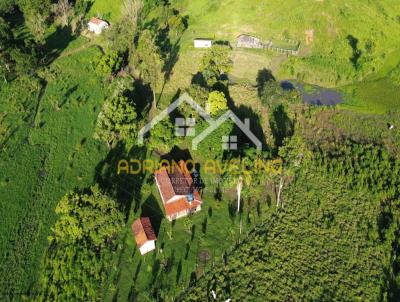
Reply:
x=50, y=145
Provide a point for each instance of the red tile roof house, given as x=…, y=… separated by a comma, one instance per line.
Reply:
x=178, y=194
x=144, y=235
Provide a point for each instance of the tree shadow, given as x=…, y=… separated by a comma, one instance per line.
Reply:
x=179, y=271
x=125, y=187
x=151, y=208
x=176, y=154
x=133, y=294
x=263, y=75
x=204, y=225
x=353, y=42
x=69, y=92
x=170, y=262
x=281, y=125
x=155, y=269
x=172, y=59
x=141, y=94
x=138, y=267
x=199, y=79
x=187, y=250
x=56, y=42
x=193, y=232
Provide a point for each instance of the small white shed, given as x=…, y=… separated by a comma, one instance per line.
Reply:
x=144, y=235
x=202, y=43
x=97, y=25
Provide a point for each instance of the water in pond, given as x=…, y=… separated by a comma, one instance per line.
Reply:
x=318, y=95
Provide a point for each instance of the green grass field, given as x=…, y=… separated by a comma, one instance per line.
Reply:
x=107, y=10
x=326, y=62
x=50, y=153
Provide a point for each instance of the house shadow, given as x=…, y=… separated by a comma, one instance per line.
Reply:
x=151, y=208
x=56, y=42
x=176, y=154
x=124, y=187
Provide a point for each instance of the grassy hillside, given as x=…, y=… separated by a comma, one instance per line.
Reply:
x=107, y=10
x=375, y=28
x=355, y=44
x=50, y=152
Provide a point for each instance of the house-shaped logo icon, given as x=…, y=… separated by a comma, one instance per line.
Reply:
x=214, y=124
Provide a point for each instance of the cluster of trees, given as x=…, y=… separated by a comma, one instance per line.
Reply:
x=146, y=49
x=81, y=246
x=281, y=104
x=22, y=54
x=209, y=89
x=117, y=121
x=145, y=56
x=216, y=64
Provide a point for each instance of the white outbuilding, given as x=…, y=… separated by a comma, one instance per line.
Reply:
x=202, y=43
x=97, y=25
x=144, y=235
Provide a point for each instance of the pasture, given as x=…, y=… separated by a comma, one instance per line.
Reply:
x=50, y=152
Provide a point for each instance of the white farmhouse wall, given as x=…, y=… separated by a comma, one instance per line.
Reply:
x=202, y=43
x=184, y=213
x=97, y=28
x=147, y=247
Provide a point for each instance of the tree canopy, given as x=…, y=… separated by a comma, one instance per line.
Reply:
x=79, y=256
x=216, y=103
x=117, y=121
x=150, y=63
x=215, y=63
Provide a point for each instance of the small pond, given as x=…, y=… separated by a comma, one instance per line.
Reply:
x=314, y=94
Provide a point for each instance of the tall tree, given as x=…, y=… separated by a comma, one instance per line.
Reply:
x=215, y=63
x=117, y=121
x=79, y=256
x=131, y=10
x=150, y=63
x=216, y=103
x=63, y=11
x=36, y=13
x=122, y=34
